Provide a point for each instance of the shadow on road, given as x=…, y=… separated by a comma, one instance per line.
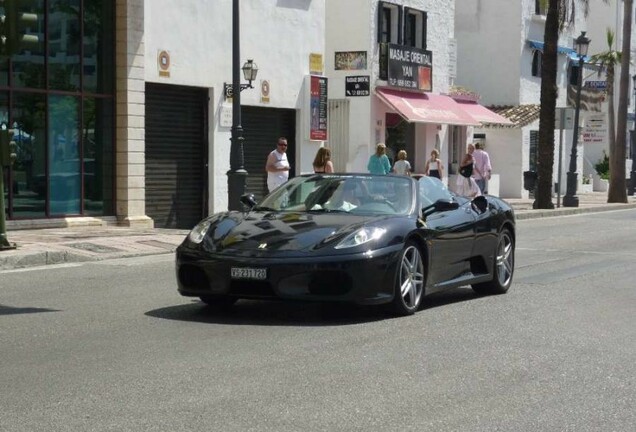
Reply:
x=290, y=313
x=9, y=310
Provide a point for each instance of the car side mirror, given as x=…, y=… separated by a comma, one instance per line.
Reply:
x=248, y=200
x=480, y=204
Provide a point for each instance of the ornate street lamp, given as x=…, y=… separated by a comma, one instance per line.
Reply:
x=237, y=175
x=632, y=174
x=570, y=199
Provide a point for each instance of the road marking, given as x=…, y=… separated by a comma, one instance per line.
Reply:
x=134, y=261
x=44, y=267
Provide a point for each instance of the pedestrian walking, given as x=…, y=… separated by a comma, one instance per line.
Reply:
x=402, y=166
x=465, y=184
x=379, y=162
x=322, y=161
x=483, y=169
x=434, y=167
x=277, y=165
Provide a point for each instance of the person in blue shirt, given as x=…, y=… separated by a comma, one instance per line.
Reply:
x=379, y=162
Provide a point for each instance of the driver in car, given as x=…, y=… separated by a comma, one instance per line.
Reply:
x=342, y=198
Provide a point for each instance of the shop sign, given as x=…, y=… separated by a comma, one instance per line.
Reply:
x=598, y=85
x=318, y=108
x=595, y=130
x=357, y=85
x=409, y=67
x=315, y=64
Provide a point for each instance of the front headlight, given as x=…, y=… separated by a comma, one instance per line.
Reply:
x=198, y=232
x=361, y=236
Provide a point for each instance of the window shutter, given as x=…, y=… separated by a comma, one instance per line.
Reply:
x=405, y=23
x=379, y=20
x=424, y=29
x=399, y=26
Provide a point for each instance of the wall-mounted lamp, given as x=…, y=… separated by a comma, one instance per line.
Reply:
x=250, y=70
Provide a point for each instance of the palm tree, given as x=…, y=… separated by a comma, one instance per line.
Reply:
x=560, y=13
x=617, y=192
x=545, y=160
x=609, y=59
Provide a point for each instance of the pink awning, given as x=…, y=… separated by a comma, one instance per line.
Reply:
x=426, y=107
x=483, y=114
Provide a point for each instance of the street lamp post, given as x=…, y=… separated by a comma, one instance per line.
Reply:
x=237, y=175
x=632, y=174
x=570, y=199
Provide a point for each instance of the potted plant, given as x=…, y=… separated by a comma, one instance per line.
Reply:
x=601, y=182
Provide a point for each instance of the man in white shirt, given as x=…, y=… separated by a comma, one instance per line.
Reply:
x=482, y=168
x=277, y=165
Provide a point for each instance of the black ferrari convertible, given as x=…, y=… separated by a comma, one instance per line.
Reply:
x=350, y=237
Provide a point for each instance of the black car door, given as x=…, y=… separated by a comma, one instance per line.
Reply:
x=450, y=238
x=486, y=225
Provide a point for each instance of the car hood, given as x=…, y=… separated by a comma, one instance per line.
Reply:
x=274, y=233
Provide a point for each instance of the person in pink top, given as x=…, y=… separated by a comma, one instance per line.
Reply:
x=483, y=169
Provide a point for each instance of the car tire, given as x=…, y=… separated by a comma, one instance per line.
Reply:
x=409, y=281
x=503, y=268
x=218, y=301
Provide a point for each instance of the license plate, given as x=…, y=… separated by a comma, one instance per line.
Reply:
x=248, y=273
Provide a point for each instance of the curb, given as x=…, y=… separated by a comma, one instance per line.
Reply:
x=543, y=213
x=41, y=259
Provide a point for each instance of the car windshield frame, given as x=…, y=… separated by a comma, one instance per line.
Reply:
x=355, y=194
x=432, y=189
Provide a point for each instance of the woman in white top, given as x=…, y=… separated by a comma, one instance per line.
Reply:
x=466, y=186
x=434, y=166
x=402, y=166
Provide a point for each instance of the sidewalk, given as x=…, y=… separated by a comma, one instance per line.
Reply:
x=39, y=247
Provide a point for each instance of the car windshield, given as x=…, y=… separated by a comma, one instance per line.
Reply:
x=432, y=189
x=355, y=194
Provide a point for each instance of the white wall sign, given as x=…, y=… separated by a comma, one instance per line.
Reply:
x=595, y=130
x=225, y=115
x=565, y=114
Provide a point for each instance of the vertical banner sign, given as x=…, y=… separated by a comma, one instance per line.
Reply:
x=410, y=68
x=318, y=109
x=315, y=64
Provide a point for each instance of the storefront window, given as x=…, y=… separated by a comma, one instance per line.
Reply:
x=97, y=142
x=28, y=66
x=64, y=45
x=28, y=173
x=56, y=92
x=98, y=48
x=64, y=157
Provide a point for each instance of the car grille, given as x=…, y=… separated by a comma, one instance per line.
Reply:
x=251, y=289
x=193, y=277
x=330, y=283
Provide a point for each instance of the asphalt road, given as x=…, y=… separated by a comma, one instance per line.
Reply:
x=111, y=346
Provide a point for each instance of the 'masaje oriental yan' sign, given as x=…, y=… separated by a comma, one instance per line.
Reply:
x=410, y=67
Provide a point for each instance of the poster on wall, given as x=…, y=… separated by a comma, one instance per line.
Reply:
x=350, y=60
x=410, y=68
x=318, y=109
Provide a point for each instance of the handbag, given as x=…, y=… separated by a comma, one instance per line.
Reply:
x=466, y=171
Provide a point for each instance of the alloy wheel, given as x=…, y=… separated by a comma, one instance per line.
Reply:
x=411, y=279
x=505, y=259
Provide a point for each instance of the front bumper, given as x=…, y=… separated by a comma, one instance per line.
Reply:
x=364, y=278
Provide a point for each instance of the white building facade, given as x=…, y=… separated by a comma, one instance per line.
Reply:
x=500, y=46
x=390, y=67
